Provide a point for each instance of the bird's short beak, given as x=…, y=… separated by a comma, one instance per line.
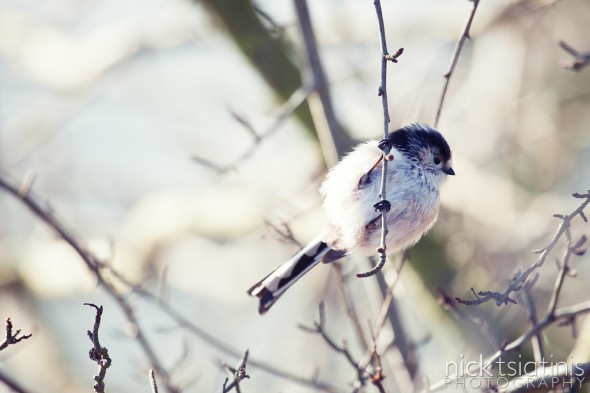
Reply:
x=448, y=170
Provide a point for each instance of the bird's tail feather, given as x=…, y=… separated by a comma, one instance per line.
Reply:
x=270, y=288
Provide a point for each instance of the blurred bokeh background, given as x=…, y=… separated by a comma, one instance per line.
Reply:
x=156, y=130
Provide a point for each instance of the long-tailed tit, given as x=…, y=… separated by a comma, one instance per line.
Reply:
x=421, y=163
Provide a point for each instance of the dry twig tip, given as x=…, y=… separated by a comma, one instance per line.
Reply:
x=12, y=338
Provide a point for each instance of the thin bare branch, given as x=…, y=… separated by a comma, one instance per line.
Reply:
x=283, y=230
x=153, y=384
x=320, y=328
x=96, y=266
x=377, y=377
x=520, y=279
x=348, y=301
x=580, y=60
x=12, y=338
x=246, y=123
x=449, y=304
x=383, y=205
x=389, y=312
x=11, y=383
x=195, y=330
x=563, y=270
x=566, y=314
x=553, y=315
x=98, y=353
x=384, y=313
x=333, y=141
x=235, y=374
x=465, y=35
x=295, y=100
x=537, y=340
x=275, y=29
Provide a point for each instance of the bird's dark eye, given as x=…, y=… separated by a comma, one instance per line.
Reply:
x=437, y=160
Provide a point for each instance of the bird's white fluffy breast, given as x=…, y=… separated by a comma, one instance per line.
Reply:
x=349, y=208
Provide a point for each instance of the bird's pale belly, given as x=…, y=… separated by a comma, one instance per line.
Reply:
x=405, y=228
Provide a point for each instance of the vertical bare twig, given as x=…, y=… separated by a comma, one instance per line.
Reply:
x=455, y=59
x=98, y=353
x=383, y=205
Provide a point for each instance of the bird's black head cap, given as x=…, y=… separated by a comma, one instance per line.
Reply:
x=415, y=137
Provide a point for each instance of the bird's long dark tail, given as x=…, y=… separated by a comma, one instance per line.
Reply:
x=270, y=288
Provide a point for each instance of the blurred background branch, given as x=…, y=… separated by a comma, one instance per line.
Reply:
x=580, y=60
x=11, y=384
x=333, y=140
x=553, y=315
x=101, y=271
x=287, y=109
x=95, y=265
x=520, y=279
x=269, y=55
x=235, y=374
x=455, y=59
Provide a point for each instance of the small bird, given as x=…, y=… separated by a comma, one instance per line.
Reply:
x=421, y=162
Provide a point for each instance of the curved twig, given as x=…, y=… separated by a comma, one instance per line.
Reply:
x=383, y=205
